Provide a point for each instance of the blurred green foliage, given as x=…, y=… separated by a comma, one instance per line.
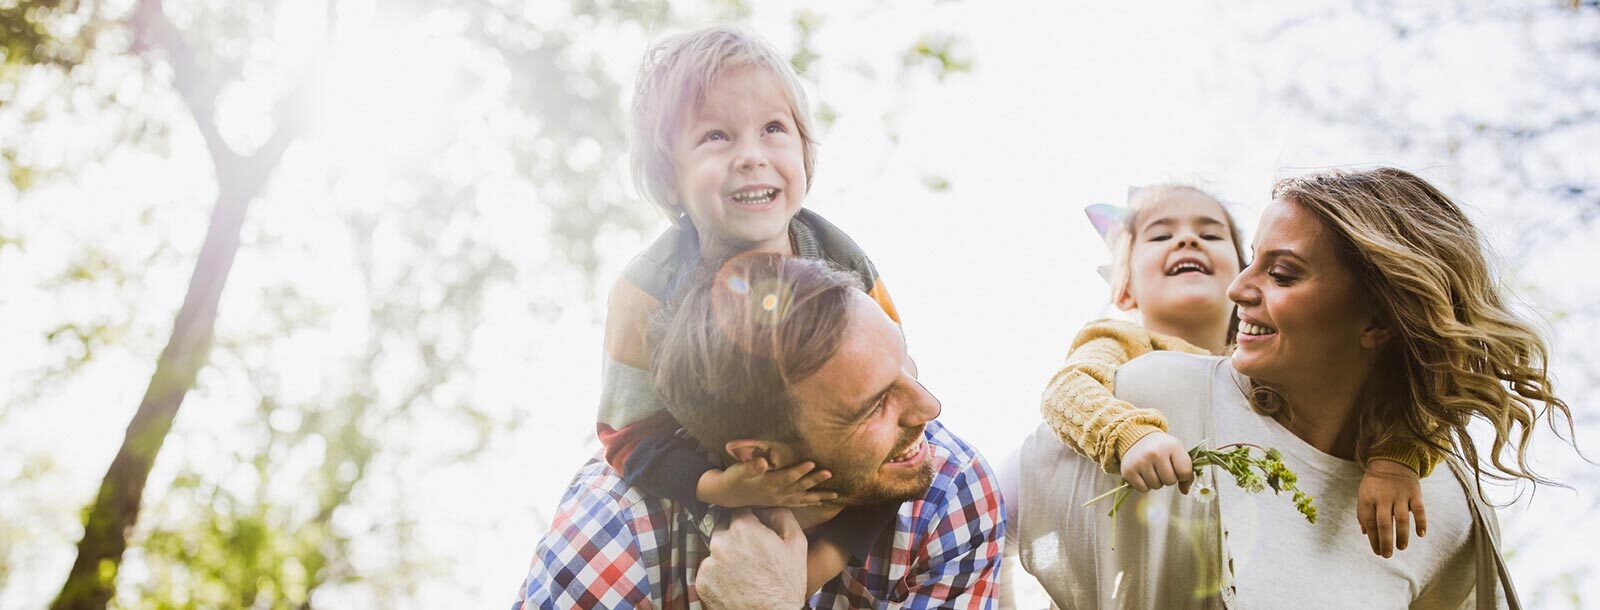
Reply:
x=205, y=540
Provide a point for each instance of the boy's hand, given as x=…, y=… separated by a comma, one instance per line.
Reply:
x=824, y=560
x=1389, y=498
x=754, y=483
x=1158, y=460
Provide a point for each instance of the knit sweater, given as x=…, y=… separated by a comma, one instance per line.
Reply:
x=1079, y=404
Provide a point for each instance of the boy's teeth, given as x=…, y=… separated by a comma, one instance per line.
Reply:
x=754, y=196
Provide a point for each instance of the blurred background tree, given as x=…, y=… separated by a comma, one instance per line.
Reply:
x=487, y=159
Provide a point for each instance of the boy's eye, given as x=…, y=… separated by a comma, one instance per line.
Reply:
x=1161, y=237
x=775, y=127
x=1211, y=237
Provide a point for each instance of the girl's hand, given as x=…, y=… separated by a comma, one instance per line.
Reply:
x=1389, y=499
x=1158, y=460
x=754, y=483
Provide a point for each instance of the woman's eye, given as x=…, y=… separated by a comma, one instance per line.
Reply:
x=1283, y=279
x=775, y=127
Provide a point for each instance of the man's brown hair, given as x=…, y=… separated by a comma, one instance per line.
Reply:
x=734, y=340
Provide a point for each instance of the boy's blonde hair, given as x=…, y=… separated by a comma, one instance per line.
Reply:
x=674, y=78
x=1140, y=201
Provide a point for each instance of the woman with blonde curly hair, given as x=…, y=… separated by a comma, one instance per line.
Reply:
x=1369, y=314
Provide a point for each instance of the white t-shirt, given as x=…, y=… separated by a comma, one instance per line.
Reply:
x=1281, y=561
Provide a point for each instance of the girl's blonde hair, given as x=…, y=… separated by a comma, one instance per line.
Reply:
x=1140, y=201
x=1457, y=350
x=673, y=80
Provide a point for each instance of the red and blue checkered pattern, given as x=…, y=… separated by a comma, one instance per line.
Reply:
x=613, y=547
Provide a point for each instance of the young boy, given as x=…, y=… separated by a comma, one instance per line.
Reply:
x=722, y=142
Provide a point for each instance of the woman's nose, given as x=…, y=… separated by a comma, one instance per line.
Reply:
x=1243, y=290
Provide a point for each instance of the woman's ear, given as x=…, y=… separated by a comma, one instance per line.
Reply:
x=1375, y=335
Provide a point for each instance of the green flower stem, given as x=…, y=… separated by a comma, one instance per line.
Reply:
x=1252, y=474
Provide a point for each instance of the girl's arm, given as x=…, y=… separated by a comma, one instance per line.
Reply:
x=1079, y=405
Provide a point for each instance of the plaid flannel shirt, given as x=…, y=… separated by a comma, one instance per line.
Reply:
x=613, y=547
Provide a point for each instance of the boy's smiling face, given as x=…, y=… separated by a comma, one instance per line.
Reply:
x=739, y=164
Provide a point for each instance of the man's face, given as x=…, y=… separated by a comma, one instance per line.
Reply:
x=862, y=415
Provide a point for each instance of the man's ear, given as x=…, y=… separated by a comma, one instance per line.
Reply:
x=744, y=450
x=1375, y=335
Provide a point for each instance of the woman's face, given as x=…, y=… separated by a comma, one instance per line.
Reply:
x=1302, y=321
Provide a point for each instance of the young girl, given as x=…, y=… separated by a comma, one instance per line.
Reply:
x=1175, y=251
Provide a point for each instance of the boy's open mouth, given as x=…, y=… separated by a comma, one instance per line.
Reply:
x=1188, y=265
x=754, y=196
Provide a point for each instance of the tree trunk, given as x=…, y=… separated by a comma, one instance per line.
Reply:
x=92, y=580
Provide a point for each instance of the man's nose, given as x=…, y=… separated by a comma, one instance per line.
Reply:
x=925, y=407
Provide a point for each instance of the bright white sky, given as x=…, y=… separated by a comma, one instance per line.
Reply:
x=1068, y=106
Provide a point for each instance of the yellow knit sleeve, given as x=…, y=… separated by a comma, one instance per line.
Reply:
x=1413, y=453
x=1079, y=405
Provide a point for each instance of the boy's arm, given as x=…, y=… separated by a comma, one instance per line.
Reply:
x=589, y=558
x=627, y=396
x=663, y=463
x=1079, y=405
x=880, y=295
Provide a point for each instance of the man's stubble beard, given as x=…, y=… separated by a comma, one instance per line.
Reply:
x=867, y=488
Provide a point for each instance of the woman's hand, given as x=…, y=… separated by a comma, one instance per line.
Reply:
x=1158, y=460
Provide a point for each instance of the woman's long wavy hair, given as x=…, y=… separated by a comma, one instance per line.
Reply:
x=1458, y=351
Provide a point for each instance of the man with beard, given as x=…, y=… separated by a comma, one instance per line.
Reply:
x=784, y=360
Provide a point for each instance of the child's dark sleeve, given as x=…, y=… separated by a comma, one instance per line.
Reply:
x=856, y=529
x=664, y=462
